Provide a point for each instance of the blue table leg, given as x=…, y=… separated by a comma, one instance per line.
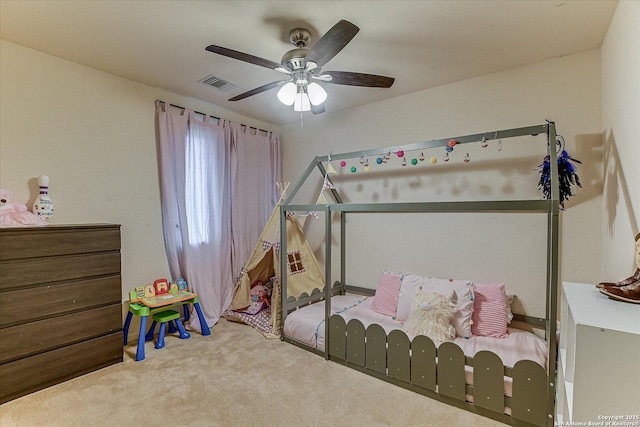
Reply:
x=141, y=339
x=152, y=329
x=125, y=328
x=183, y=333
x=185, y=308
x=160, y=342
x=203, y=323
x=172, y=328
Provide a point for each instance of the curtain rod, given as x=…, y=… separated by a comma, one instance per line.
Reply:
x=215, y=117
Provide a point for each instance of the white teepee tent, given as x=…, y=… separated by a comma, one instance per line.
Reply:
x=303, y=271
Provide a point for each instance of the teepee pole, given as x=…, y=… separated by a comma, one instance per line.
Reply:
x=282, y=188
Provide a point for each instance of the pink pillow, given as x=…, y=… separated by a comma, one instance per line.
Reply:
x=386, y=298
x=490, y=311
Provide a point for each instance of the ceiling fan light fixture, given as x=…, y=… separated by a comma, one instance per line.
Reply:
x=302, y=102
x=287, y=93
x=302, y=95
x=317, y=95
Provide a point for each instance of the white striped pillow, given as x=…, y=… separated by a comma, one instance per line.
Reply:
x=490, y=311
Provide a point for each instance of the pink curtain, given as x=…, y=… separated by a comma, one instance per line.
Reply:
x=255, y=168
x=217, y=181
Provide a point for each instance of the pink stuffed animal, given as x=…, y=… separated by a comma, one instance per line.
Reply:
x=12, y=213
x=258, y=293
x=259, y=299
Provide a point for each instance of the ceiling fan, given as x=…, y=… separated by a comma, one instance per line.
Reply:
x=303, y=67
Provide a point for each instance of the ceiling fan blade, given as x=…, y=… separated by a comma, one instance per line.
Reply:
x=357, y=79
x=243, y=57
x=332, y=42
x=317, y=109
x=258, y=90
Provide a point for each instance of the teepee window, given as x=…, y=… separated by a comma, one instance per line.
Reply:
x=295, y=262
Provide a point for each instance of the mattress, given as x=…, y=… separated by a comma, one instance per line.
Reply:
x=307, y=325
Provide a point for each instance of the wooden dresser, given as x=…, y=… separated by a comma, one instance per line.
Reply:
x=60, y=304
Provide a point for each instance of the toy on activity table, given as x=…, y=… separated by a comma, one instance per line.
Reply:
x=136, y=294
x=182, y=284
x=160, y=287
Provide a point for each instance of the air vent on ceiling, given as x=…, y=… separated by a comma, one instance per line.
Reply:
x=217, y=82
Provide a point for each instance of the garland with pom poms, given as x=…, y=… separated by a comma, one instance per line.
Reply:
x=567, y=175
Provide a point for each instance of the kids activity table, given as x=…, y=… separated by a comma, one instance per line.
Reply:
x=149, y=305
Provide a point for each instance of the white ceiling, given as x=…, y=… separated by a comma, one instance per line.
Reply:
x=422, y=44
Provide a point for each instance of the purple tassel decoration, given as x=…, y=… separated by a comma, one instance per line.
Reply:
x=567, y=175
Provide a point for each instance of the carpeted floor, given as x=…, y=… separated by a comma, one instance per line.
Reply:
x=233, y=377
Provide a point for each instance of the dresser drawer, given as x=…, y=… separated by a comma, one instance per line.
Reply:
x=27, y=305
x=37, y=337
x=33, y=271
x=34, y=242
x=24, y=376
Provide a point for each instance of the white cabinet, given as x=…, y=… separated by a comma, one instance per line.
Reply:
x=599, y=358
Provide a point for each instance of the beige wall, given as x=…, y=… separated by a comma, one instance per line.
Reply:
x=93, y=134
x=621, y=130
x=566, y=90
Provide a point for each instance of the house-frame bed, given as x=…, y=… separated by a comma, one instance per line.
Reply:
x=419, y=365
